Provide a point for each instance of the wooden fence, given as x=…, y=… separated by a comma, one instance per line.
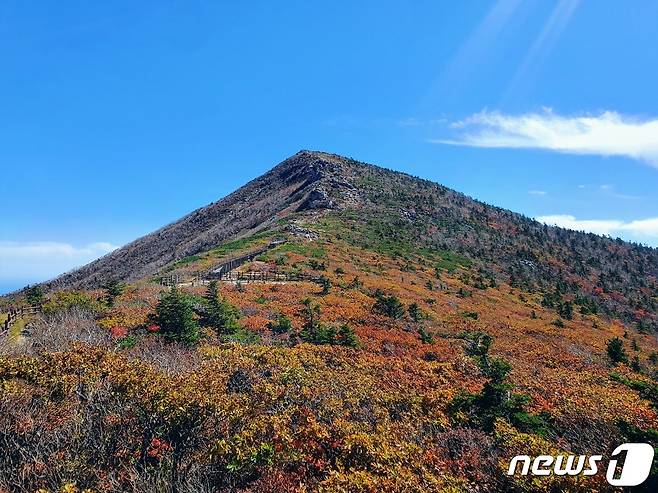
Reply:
x=14, y=313
x=170, y=280
x=226, y=267
x=250, y=276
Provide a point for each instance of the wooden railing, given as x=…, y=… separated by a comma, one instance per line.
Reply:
x=224, y=268
x=170, y=280
x=14, y=313
x=251, y=276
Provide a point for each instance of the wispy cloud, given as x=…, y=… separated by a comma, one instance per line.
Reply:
x=538, y=193
x=610, y=191
x=606, y=134
x=39, y=261
x=645, y=230
x=417, y=122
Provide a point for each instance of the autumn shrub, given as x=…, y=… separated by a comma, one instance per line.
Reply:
x=243, y=414
x=66, y=300
x=647, y=389
x=510, y=441
x=496, y=399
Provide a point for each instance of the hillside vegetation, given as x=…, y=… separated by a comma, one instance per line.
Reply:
x=414, y=340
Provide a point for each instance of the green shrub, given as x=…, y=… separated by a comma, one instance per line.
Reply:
x=34, y=294
x=174, y=314
x=388, y=305
x=325, y=283
x=616, y=351
x=425, y=336
x=496, y=399
x=217, y=313
x=242, y=335
x=347, y=337
x=565, y=310
x=281, y=325
x=315, y=332
x=113, y=289
x=127, y=342
x=415, y=312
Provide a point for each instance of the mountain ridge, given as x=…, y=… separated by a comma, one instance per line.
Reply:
x=397, y=207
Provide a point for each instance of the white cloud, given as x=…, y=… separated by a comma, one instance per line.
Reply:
x=40, y=261
x=539, y=193
x=601, y=227
x=646, y=227
x=644, y=230
x=607, y=134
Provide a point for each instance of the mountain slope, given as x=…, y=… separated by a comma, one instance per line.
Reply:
x=303, y=182
x=403, y=337
x=382, y=207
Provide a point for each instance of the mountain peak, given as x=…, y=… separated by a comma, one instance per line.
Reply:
x=324, y=178
x=307, y=181
x=323, y=163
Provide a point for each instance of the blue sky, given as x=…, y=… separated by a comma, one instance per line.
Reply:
x=119, y=117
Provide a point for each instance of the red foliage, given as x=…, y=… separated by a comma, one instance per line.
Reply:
x=118, y=332
x=153, y=328
x=158, y=448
